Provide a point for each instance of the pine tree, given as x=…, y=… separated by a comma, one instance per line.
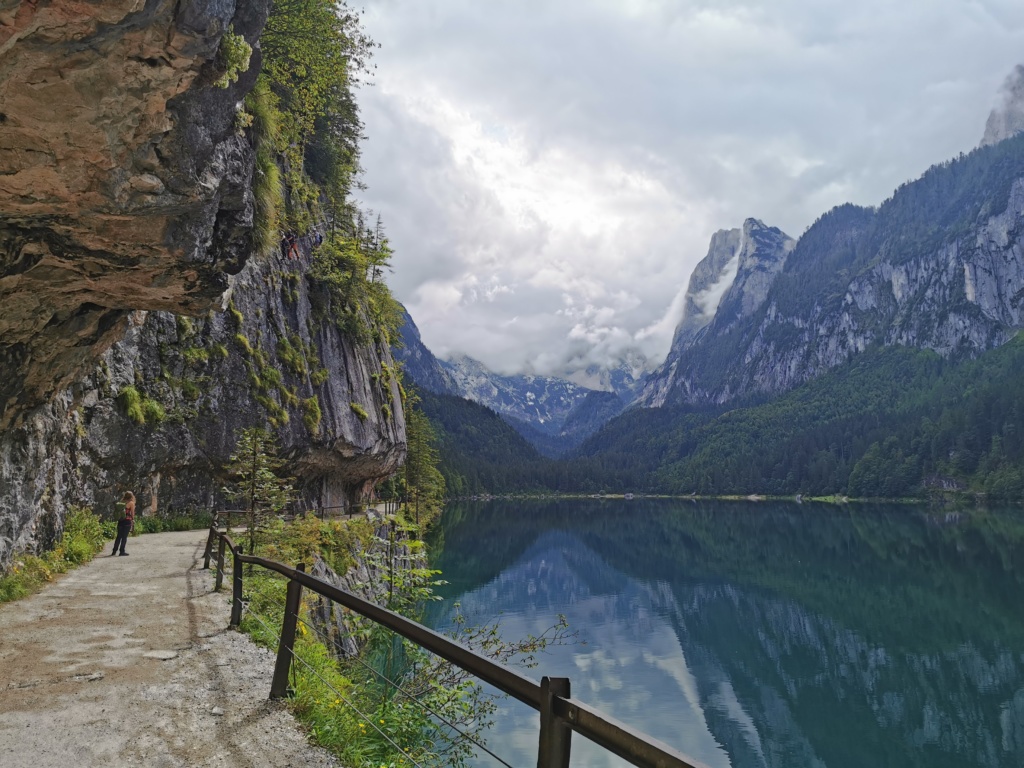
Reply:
x=253, y=469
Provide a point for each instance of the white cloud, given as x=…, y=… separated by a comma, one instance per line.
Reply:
x=550, y=172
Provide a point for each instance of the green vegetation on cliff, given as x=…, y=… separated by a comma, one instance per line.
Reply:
x=306, y=129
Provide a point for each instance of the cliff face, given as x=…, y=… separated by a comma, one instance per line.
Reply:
x=125, y=221
x=275, y=355
x=123, y=184
x=729, y=284
x=419, y=363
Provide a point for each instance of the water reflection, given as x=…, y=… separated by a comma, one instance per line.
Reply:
x=761, y=634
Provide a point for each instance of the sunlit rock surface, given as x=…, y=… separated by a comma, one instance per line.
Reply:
x=123, y=185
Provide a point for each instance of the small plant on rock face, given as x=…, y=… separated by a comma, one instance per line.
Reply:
x=311, y=415
x=131, y=401
x=140, y=409
x=233, y=57
x=359, y=411
x=154, y=412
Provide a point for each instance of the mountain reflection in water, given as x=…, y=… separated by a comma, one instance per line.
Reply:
x=764, y=634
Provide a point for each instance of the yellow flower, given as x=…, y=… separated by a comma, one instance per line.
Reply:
x=382, y=722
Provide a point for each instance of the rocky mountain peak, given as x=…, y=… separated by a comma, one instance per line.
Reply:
x=728, y=284
x=1007, y=118
x=736, y=273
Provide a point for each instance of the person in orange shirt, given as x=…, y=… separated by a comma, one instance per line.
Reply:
x=125, y=524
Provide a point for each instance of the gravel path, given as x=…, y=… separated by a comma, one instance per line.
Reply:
x=127, y=661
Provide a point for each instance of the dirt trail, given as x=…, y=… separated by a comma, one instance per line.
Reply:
x=85, y=678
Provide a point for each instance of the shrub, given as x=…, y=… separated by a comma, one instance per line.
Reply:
x=311, y=414
x=291, y=355
x=154, y=412
x=190, y=390
x=196, y=355
x=359, y=411
x=233, y=58
x=186, y=328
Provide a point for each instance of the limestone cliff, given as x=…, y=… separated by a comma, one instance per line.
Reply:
x=276, y=355
x=123, y=182
x=137, y=334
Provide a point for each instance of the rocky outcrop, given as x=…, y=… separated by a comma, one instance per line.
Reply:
x=419, y=363
x=728, y=285
x=123, y=184
x=1007, y=119
x=368, y=578
x=275, y=356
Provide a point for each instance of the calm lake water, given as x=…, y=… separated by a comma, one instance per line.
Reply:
x=759, y=634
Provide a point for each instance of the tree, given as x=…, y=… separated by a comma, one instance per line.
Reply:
x=253, y=469
x=424, y=483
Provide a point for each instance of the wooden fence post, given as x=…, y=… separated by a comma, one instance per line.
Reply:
x=209, y=548
x=219, y=582
x=236, y=590
x=279, y=686
x=555, y=736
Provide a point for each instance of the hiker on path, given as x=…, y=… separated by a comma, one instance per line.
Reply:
x=125, y=524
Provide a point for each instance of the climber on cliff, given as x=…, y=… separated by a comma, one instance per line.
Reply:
x=289, y=246
x=125, y=524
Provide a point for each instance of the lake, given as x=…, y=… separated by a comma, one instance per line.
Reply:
x=758, y=633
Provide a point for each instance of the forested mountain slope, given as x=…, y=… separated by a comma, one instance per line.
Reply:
x=890, y=422
x=937, y=266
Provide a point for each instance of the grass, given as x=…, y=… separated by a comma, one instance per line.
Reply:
x=267, y=191
x=311, y=414
x=83, y=537
x=139, y=408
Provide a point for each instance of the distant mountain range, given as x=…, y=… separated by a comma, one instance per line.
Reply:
x=869, y=357
x=552, y=413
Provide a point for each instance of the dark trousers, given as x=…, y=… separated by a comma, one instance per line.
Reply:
x=124, y=527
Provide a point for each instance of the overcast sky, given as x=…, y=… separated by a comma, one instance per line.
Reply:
x=550, y=171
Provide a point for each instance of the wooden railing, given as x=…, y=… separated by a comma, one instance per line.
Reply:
x=560, y=714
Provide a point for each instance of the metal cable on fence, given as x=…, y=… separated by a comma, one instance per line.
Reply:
x=265, y=595
x=411, y=697
x=355, y=709
x=273, y=632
